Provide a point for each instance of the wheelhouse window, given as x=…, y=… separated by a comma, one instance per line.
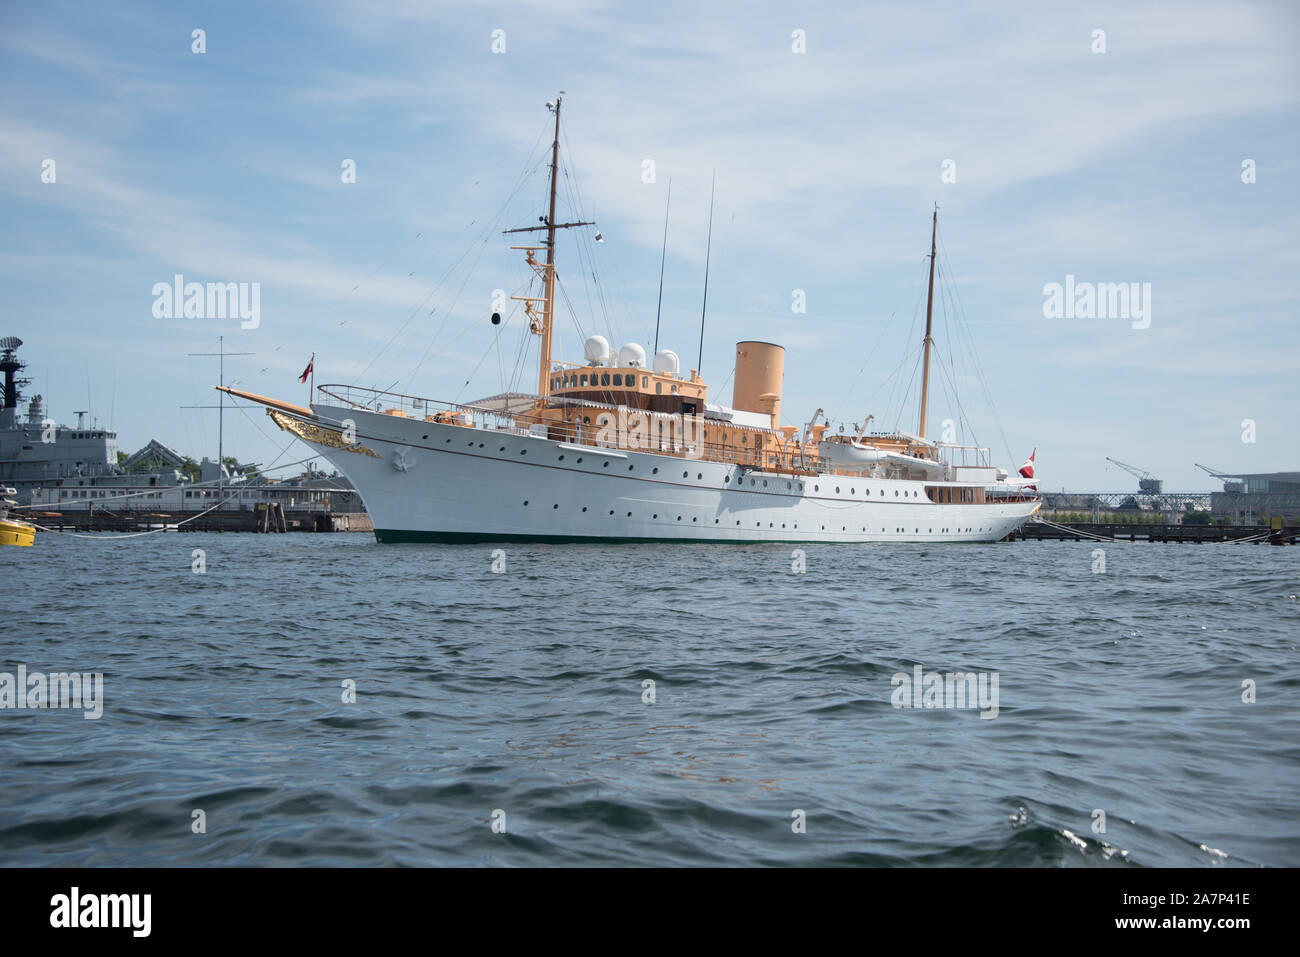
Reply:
x=604, y=379
x=618, y=378
x=584, y=379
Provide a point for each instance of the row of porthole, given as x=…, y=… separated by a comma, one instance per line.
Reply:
x=854, y=491
x=679, y=517
x=725, y=480
x=843, y=528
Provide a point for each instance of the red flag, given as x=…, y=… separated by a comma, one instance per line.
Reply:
x=1027, y=470
x=307, y=371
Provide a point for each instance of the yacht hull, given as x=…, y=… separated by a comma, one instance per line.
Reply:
x=427, y=482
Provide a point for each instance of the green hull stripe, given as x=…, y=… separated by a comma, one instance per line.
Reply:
x=396, y=536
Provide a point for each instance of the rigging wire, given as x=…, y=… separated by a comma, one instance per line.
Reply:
x=975, y=360
x=525, y=175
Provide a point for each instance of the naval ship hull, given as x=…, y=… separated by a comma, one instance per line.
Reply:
x=429, y=482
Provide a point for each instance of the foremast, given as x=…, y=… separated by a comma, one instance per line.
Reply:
x=542, y=325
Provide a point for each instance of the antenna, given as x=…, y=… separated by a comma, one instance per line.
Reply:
x=662, y=257
x=221, y=353
x=708, y=249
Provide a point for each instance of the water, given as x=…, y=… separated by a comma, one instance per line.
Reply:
x=522, y=692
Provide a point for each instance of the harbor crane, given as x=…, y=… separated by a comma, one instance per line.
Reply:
x=1231, y=483
x=1145, y=482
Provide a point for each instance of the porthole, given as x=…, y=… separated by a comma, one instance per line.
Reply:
x=837, y=490
x=579, y=462
x=817, y=488
x=424, y=436
x=480, y=445
x=699, y=475
x=523, y=451
x=686, y=475
x=629, y=468
x=556, y=505
x=693, y=519
x=525, y=501
x=629, y=514
x=853, y=491
x=655, y=515
x=895, y=493
x=604, y=465
x=655, y=470
x=611, y=511
x=560, y=459
x=584, y=508
x=764, y=483
x=502, y=449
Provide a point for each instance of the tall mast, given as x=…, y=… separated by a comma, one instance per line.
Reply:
x=541, y=325
x=929, y=315
x=699, y=362
x=548, y=307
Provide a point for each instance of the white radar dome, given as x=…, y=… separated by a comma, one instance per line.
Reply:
x=666, y=362
x=597, y=350
x=632, y=356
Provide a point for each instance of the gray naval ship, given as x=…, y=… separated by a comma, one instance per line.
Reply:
x=36, y=451
x=57, y=467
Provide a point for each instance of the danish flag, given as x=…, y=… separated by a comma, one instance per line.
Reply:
x=1027, y=471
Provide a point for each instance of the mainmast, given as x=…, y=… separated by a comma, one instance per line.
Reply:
x=929, y=315
x=542, y=325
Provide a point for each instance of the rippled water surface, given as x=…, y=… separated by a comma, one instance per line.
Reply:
x=522, y=692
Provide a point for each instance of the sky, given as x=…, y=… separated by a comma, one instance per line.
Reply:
x=1162, y=151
